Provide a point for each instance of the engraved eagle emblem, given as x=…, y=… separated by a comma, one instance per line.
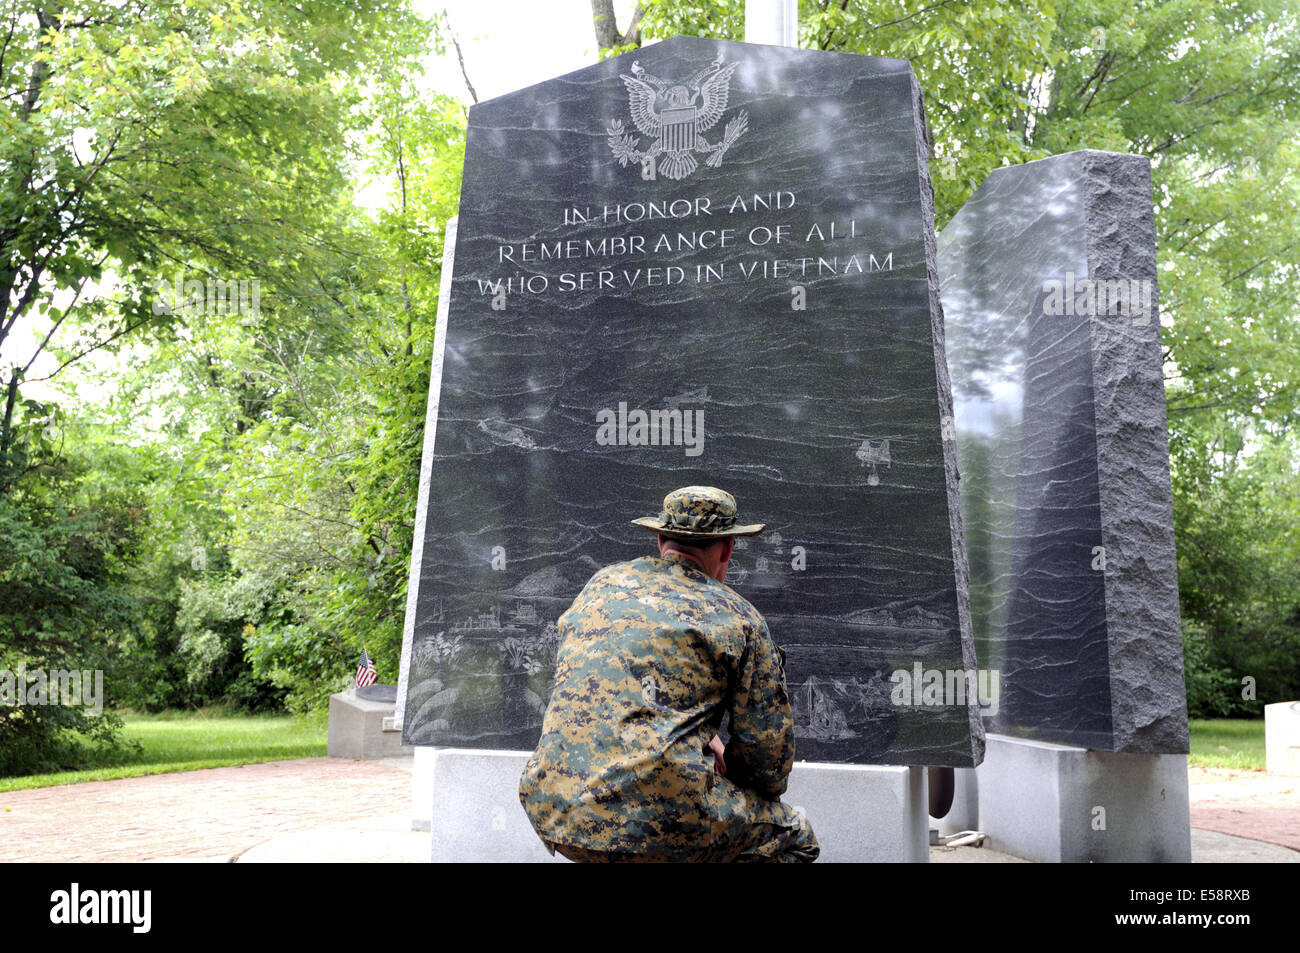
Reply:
x=677, y=115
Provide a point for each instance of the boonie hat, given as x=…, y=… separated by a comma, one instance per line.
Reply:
x=699, y=512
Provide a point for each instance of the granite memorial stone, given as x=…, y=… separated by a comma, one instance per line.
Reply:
x=700, y=263
x=1053, y=340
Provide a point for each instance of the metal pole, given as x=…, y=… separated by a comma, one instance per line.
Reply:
x=775, y=22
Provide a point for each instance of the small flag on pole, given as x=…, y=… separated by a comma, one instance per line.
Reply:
x=365, y=670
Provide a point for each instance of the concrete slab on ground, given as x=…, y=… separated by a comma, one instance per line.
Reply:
x=378, y=840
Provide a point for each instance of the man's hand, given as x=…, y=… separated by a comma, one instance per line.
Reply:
x=719, y=764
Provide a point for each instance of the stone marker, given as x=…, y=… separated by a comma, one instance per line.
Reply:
x=702, y=262
x=1282, y=738
x=361, y=726
x=1054, y=345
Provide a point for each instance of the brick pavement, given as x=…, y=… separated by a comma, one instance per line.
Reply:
x=1263, y=807
x=221, y=812
x=216, y=812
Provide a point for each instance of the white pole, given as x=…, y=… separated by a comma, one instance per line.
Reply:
x=775, y=22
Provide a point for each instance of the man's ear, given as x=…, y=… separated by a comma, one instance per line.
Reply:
x=661, y=544
x=727, y=548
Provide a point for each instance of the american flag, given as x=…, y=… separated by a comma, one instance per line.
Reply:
x=365, y=670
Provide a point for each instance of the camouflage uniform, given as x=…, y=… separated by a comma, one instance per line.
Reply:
x=654, y=653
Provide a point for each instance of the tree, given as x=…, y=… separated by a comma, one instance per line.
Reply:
x=64, y=585
x=316, y=480
x=137, y=136
x=608, y=38
x=337, y=499
x=1238, y=553
x=205, y=145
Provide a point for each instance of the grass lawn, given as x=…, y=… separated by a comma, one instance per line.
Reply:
x=188, y=740
x=214, y=738
x=1227, y=743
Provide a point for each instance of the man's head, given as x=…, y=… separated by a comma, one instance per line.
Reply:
x=713, y=556
x=700, y=523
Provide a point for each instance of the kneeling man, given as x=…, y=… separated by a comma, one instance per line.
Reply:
x=654, y=653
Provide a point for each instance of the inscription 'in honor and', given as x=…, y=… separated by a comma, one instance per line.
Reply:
x=678, y=115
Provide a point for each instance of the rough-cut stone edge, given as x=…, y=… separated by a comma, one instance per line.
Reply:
x=426, y=471
x=961, y=568
x=1143, y=632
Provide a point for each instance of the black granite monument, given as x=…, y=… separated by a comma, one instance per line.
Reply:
x=1049, y=290
x=701, y=263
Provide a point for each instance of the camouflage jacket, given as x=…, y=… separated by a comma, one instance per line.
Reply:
x=654, y=653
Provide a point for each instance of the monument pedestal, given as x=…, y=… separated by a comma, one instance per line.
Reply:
x=362, y=728
x=1061, y=804
x=476, y=814
x=861, y=813
x=864, y=813
x=422, y=788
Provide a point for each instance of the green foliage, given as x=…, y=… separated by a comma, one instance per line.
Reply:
x=144, y=145
x=1238, y=534
x=215, y=613
x=305, y=435
x=139, y=136
x=328, y=476
x=64, y=565
x=1212, y=692
x=1209, y=92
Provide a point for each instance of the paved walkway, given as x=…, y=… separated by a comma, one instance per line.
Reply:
x=1251, y=804
x=215, y=813
x=337, y=809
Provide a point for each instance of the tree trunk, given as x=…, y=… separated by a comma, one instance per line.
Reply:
x=6, y=427
x=607, y=35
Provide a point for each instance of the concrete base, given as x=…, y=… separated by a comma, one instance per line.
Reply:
x=1057, y=803
x=357, y=729
x=1282, y=738
x=864, y=813
x=476, y=815
x=860, y=813
x=422, y=788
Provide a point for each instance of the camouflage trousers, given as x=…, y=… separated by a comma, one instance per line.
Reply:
x=780, y=834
